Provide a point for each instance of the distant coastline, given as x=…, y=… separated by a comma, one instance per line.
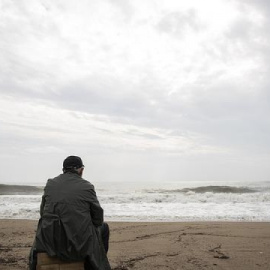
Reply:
x=20, y=189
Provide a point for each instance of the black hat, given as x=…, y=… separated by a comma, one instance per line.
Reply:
x=73, y=162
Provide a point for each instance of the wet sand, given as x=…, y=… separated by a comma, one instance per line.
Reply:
x=181, y=245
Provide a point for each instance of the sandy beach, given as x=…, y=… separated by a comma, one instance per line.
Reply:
x=137, y=245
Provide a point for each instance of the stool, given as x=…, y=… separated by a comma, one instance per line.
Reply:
x=44, y=262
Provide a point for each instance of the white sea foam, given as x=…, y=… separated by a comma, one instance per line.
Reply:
x=182, y=202
x=20, y=206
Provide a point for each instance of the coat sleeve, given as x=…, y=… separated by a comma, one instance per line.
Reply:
x=96, y=210
x=42, y=205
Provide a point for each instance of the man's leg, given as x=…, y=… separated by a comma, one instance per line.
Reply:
x=33, y=257
x=105, y=235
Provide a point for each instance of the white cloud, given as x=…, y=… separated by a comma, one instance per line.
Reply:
x=60, y=127
x=164, y=79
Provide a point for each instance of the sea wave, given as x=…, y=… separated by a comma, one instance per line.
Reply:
x=185, y=198
x=205, y=189
x=209, y=202
x=20, y=190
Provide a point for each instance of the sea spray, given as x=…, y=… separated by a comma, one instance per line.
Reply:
x=183, y=201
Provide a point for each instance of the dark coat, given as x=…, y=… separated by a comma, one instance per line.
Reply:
x=70, y=216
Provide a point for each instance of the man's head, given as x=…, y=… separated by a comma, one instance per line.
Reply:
x=73, y=164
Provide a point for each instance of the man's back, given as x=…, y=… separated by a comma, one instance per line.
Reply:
x=65, y=216
x=71, y=225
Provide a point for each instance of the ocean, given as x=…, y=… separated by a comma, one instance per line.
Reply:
x=175, y=201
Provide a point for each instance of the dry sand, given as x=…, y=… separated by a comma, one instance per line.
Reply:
x=196, y=245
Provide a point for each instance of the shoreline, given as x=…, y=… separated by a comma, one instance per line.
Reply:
x=157, y=221
x=160, y=245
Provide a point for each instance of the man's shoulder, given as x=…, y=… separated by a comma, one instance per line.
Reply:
x=87, y=183
x=53, y=179
x=71, y=178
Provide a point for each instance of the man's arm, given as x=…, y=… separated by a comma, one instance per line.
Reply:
x=96, y=210
x=42, y=205
x=41, y=210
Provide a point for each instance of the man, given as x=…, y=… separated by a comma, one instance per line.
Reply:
x=71, y=225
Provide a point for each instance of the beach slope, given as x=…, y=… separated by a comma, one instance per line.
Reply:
x=181, y=245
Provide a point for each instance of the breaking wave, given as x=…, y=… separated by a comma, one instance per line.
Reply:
x=156, y=203
x=205, y=189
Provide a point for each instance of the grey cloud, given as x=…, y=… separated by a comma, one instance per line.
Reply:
x=248, y=36
x=137, y=133
x=256, y=35
x=210, y=111
x=262, y=5
x=236, y=121
x=15, y=142
x=35, y=21
x=222, y=114
x=176, y=23
x=96, y=96
x=126, y=8
x=239, y=42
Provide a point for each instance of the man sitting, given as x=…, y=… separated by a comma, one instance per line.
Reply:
x=71, y=225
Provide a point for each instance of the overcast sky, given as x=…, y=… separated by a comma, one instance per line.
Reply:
x=145, y=90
